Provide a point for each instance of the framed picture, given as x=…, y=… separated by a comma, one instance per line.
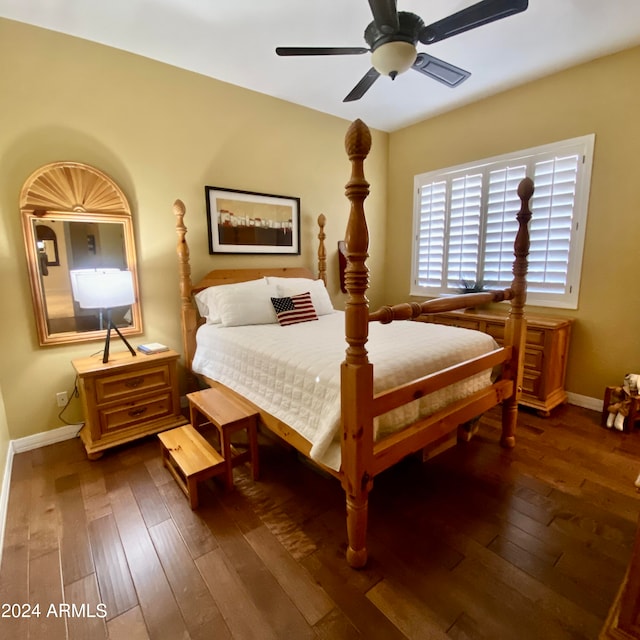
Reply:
x=248, y=222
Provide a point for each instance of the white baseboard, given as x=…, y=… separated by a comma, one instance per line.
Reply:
x=45, y=438
x=4, y=496
x=596, y=404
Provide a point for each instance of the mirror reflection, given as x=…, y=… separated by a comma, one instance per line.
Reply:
x=81, y=246
x=75, y=218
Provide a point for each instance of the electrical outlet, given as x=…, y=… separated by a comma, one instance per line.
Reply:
x=62, y=398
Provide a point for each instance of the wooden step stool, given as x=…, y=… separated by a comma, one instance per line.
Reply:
x=228, y=413
x=190, y=459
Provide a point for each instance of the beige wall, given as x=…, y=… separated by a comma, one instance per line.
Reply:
x=601, y=97
x=161, y=133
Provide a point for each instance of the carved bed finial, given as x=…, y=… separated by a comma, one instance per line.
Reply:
x=525, y=189
x=357, y=140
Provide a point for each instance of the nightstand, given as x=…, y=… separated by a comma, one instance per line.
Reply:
x=127, y=398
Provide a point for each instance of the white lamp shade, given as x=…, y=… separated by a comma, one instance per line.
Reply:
x=393, y=58
x=103, y=289
x=74, y=273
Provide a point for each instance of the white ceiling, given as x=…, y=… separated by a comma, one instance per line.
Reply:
x=234, y=41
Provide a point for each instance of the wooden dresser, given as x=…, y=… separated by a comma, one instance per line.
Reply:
x=546, y=351
x=127, y=398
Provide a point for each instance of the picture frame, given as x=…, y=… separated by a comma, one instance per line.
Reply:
x=251, y=222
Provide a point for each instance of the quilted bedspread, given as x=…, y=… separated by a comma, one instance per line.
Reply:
x=293, y=372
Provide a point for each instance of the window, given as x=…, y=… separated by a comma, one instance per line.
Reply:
x=465, y=223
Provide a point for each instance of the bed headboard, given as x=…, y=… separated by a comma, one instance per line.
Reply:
x=190, y=319
x=232, y=276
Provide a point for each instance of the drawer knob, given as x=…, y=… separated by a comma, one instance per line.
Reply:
x=134, y=382
x=138, y=411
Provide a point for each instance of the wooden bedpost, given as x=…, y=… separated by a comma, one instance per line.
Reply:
x=356, y=370
x=516, y=327
x=322, y=252
x=187, y=311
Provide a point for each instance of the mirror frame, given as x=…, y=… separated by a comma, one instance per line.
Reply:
x=74, y=192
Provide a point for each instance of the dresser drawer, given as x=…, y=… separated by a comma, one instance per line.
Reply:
x=531, y=381
x=134, y=413
x=534, y=336
x=469, y=324
x=533, y=359
x=117, y=387
x=496, y=331
x=462, y=323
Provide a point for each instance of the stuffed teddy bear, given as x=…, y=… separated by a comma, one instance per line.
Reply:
x=618, y=408
x=620, y=401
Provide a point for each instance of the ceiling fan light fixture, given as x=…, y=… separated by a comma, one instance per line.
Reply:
x=392, y=58
x=393, y=35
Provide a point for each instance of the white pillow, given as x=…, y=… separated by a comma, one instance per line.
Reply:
x=294, y=286
x=207, y=299
x=239, y=307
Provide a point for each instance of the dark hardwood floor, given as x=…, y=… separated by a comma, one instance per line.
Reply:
x=479, y=543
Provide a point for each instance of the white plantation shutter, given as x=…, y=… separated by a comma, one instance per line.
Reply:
x=431, y=234
x=550, y=230
x=465, y=223
x=464, y=229
x=502, y=206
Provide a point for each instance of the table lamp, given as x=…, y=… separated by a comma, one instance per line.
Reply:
x=104, y=290
x=74, y=273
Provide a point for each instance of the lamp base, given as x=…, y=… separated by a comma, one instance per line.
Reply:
x=110, y=325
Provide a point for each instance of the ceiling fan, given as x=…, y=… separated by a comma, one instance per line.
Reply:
x=393, y=35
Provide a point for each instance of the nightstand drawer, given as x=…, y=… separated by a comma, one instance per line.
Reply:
x=118, y=387
x=134, y=413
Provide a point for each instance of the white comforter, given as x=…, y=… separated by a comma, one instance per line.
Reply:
x=293, y=372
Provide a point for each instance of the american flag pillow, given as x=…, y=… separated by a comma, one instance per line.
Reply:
x=294, y=309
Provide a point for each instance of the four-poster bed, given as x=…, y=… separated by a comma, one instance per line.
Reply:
x=363, y=403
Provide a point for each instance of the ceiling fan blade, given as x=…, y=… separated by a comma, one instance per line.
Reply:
x=320, y=51
x=385, y=15
x=440, y=70
x=363, y=86
x=474, y=16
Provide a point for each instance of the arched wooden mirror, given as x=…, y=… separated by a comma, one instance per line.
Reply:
x=75, y=217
